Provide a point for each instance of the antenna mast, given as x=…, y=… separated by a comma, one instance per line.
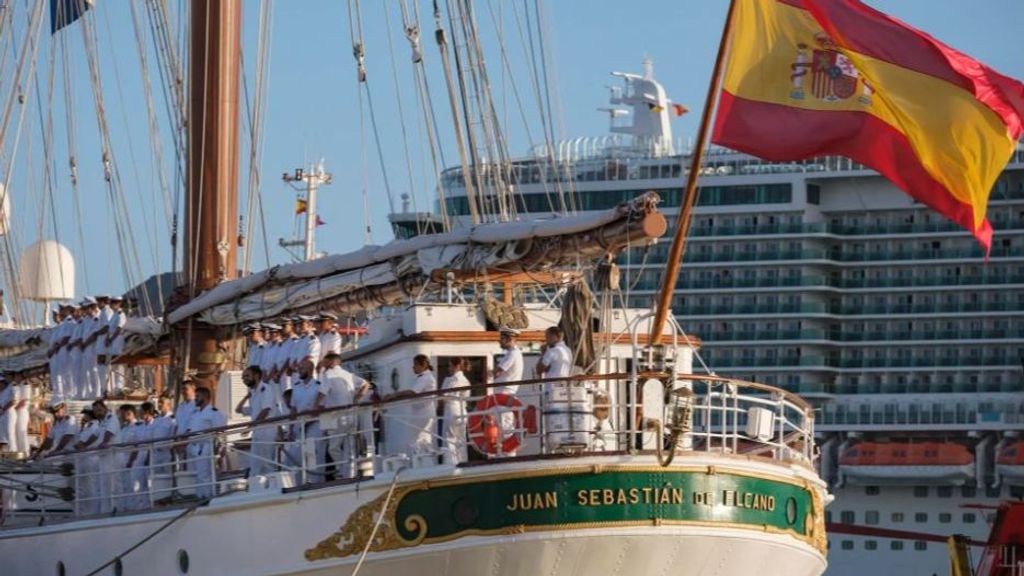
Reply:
x=313, y=178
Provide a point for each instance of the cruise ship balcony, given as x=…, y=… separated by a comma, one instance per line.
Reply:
x=960, y=412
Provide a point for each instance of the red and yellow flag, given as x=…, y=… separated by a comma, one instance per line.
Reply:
x=300, y=206
x=809, y=78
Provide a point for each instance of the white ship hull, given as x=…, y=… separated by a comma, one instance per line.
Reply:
x=274, y=534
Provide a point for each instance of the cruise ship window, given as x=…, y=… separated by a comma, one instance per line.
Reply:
x=921, y=517
x=968, y=491
x=871, y=490
x=847, y=545
x=847, y=517
x=920, y=545
x=944, y=491
x=897, y=517
x=896, y=545
x=970, y=517
x=945, y=517
x=870, y=545
x=871, y=517
x=991, y=492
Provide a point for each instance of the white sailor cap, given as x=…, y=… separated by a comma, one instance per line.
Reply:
x=252, y=327
x=287, y=320
x=87, y=301
x=328, y=316
x=508, y=331
x=103, y=296
x=305, y=318
x=117, y=299
x=271, y=327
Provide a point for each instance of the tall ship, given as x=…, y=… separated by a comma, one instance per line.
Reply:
x=507, y=405
x=822, y=278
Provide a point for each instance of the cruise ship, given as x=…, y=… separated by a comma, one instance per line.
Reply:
x=824, y=279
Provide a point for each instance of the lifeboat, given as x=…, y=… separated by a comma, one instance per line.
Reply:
x=1010, y=463
x=906, y=463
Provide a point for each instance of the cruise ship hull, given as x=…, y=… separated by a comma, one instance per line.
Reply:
x=324, y=531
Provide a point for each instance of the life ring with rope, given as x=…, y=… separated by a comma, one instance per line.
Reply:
x=485, y=427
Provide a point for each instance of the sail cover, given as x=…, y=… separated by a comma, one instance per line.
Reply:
x=382, y=275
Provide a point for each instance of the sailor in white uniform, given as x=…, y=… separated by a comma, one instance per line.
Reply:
x=186, y=408
x=95, y=388
x=100, y=348
x=77, y=382
x=132, y=431
x=557, y=359
x=262, y=404
x=286, y=363
x=61, y=437
x=330, y=340
x=453, y=410
x=140, y=466
x=109, y=428
x=7, y=418
x=22, y=413
x=341, y=388
x=56, y=364
x=161, y=428
x=254, y=355
x=114, y=344
x=307, y=396
x=86, y=466
x=410, y=426
x=509, y=367
x=202, y=450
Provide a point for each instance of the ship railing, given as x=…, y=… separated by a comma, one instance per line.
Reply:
x=468, y=426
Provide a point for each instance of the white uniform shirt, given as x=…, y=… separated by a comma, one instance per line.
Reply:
x=106, y=313
x=263, y=396
x=511, y=365
x=307, y=346
x=268, y=359
x=339, y=387
x=558, y=359
x=304, y=394
x=90, y=431
x=455, y=402
x=206, y=418
x=109, y=424
x=92, y=325
x=290, y=349
x=161, y=427
x=129, y=434
x=79, y=333
x=255, y=355
x=183, y=415
x=330, y=341
x=116, y=324
x=61, y=428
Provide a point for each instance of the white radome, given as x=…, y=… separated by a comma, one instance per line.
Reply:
x=47, y=272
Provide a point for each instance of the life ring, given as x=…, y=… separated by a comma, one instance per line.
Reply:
x=485, y=430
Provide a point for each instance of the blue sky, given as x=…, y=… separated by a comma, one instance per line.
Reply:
x=313, y=109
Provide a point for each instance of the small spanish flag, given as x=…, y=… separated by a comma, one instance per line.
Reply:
x=679, y=109
x=654, y=107
x=300, y=206
x=808, y=78
x=320, y=221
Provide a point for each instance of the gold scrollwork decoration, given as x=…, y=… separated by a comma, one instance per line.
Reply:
x=353, y=536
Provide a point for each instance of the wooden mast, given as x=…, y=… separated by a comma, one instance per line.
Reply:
x=675, y=254
x=212, y=195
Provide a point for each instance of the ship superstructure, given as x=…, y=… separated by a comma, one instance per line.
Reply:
x=824, y=279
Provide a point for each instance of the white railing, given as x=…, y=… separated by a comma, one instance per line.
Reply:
x=582, y=415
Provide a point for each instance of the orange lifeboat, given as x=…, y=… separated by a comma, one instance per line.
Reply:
x=906, y=462
x=1010, y=463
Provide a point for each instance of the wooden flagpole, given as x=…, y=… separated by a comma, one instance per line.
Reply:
x=675, y=254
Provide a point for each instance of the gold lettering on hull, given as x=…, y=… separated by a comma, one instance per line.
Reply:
x=622, y=497
x=532, y=501
x=748, y=500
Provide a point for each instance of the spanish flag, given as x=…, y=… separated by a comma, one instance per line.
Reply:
x=300, y=206
x=809, y=78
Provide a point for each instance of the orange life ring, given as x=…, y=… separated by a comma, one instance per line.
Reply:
x=485, y=430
